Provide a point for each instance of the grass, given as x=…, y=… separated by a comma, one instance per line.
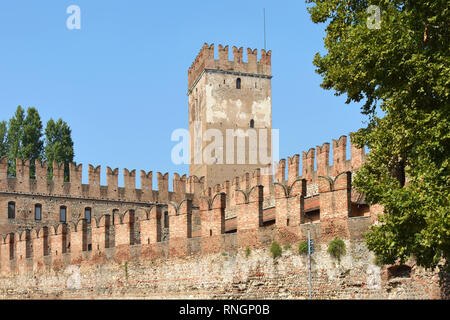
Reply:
x=336, y=248
x=303, y=248
x=276, y=250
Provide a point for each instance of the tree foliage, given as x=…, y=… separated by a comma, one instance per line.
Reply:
x=24, y=140
x=15, y=139
x=402, y=69
x=59, y=145
x=3, y=139
x=32, y=143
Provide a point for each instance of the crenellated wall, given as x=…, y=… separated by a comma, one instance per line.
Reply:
x=193, y=222
x=206, y=60
x=123, y=218
x=57, y=186
x=54, y=192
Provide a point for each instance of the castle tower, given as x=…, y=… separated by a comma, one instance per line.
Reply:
x=225, y=96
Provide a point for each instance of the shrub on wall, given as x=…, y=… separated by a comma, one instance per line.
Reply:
x=247, y=252
x=303, y=248
x=276, y=250
x=336, y=248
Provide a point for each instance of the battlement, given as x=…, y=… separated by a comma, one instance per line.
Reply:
x=206, y=60
x=136, y=234
x=56, y=186
x=312, y=170
x=199, y=219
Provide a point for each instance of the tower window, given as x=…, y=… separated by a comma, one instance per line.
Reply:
x=252, y=123
x=62, y=214
x=11, y=210
x=87, y=215
x=37, y=212
x=238, y=83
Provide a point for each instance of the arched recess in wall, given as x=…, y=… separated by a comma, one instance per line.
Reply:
x=238, y=83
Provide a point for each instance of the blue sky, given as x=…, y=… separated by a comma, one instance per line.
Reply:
x=121, y=80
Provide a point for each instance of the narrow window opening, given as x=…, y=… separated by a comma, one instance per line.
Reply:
x=38, y=212
x=210, y=232
x=87, y=215
x=28, y=244
x=45, y=229
x=11, y=246
x=166, y=219
x=64, y=239
x=132, y=228
x=238, y=83
x=84, y=244
x=62, y=214
x=107, y=230
x=11, y=210
x=252, y=123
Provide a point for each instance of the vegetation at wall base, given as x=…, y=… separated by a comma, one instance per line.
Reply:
x=336, y=248
x=276, y=250
x=303, y=248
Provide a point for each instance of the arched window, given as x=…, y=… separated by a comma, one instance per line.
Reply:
x=37, y=212
x=62, y=214
x=87, y=214
x=238, y=83
x=11, y=210
x=252, y=123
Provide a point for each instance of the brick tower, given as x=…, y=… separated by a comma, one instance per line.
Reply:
x=225, y=96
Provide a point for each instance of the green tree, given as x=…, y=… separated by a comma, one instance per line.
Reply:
x=402, y=69
x=58, y=145
x=24, y=138
x=32, y=143
x=15, y=138
x=3, y=139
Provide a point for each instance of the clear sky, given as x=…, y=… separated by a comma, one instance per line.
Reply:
x=121, y=80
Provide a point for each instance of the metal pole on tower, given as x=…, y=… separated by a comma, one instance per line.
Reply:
x=264, y=12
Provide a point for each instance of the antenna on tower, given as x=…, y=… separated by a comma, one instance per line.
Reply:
x=264, y=13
